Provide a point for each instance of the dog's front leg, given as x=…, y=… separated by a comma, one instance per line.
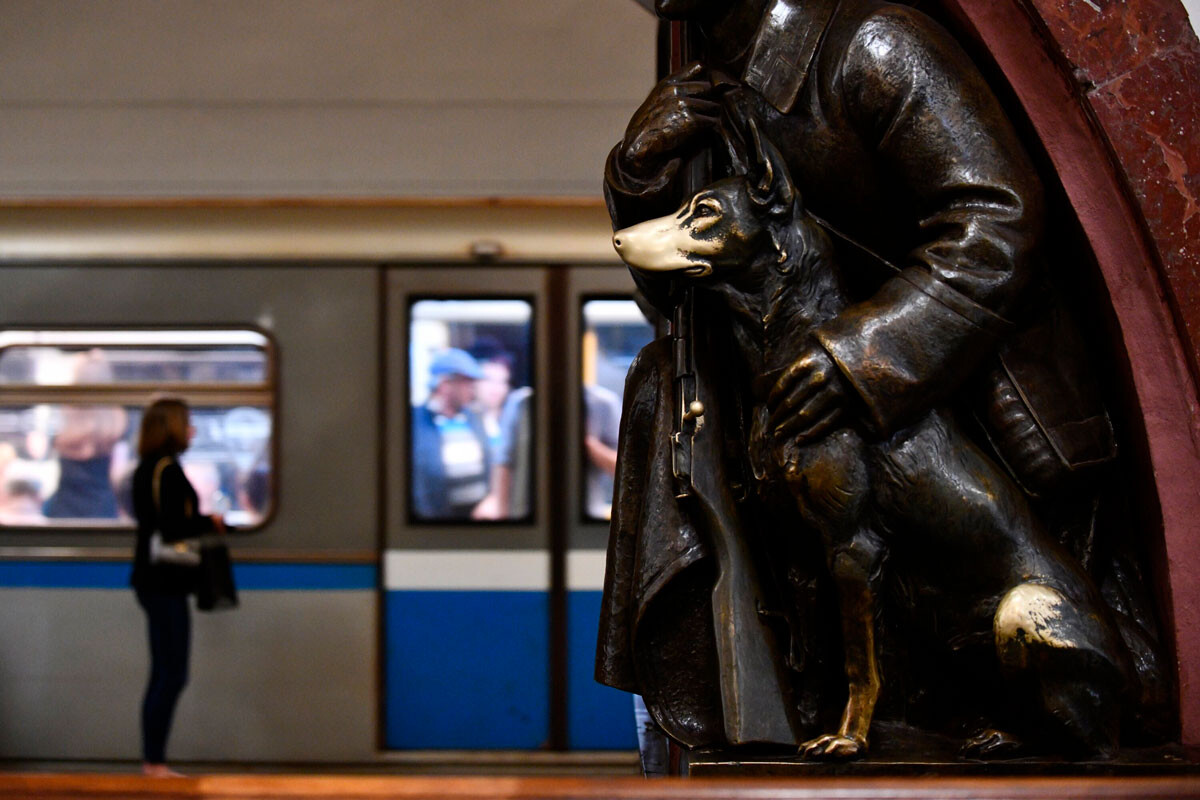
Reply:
x=855, y=568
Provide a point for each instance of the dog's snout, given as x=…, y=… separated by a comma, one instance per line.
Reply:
x=659, y=245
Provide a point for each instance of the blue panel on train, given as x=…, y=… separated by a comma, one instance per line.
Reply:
x=305, y=577
x=64, y=575
x=466, y=670
x=249, y=577
x=598, y=717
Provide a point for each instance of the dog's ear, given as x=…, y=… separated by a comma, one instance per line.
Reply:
x=769, y=180
x=740, y=155
x=735, y=112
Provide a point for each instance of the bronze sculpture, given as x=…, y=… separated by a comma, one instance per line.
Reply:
x=893, y=137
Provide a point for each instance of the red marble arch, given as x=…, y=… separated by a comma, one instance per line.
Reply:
x=1113, y=90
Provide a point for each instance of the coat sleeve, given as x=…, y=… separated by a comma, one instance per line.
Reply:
x=178, y=517
x=953, y=161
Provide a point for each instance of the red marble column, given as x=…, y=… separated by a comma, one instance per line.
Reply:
x=1113, y=91
x=1137, y=66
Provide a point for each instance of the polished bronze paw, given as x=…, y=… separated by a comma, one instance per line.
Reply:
x=992, y=744
x=832, y=747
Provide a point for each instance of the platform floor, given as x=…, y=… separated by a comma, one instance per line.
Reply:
x=32, y=786
x=426, y=763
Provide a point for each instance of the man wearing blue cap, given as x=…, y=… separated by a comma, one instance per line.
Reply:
x=450, y=459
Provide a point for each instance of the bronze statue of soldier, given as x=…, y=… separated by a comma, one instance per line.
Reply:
x=906, y=159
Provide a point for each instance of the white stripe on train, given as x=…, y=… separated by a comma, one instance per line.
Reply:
x=488, y=570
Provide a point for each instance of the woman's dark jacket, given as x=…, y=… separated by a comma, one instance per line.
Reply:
x=174, y=514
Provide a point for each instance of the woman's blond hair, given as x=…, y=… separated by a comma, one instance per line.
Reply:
x=164, y=427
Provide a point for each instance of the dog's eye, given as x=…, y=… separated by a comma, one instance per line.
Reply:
x=706, y=209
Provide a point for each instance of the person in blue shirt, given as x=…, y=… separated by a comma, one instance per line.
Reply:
x=451, y=461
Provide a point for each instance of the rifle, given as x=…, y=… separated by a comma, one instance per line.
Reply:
x=755, y=698
x=689, y=408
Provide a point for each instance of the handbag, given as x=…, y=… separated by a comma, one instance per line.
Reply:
x=215, y=589
x=181, y=553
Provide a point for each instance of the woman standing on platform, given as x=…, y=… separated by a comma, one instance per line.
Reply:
x=165, y=503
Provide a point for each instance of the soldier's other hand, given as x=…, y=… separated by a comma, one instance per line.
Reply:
x=670, y=123
x=809, y=398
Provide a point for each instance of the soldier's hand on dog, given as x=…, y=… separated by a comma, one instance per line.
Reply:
x=809, y=398
x=670, y=123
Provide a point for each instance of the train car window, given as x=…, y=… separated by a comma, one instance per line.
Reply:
x=70, y=408
x=471, y=410
x=613, y=333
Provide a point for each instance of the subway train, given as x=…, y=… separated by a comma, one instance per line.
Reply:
x=282, y=214
x=371, y=623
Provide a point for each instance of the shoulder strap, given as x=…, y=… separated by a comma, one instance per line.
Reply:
x=156, y=483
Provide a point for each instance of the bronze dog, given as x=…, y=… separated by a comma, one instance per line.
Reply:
x=925, y=491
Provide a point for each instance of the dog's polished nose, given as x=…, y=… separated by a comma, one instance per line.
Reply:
x=659, y=245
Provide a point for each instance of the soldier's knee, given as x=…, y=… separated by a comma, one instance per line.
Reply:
x=1081, y=682
x=1030, y=617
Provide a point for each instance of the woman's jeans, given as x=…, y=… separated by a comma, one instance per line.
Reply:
x=170, y=636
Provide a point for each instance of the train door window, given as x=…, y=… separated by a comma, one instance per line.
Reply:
x=613, y=332
x=71, y=404
x=471, y=409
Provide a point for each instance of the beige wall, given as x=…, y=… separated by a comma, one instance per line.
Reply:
x=316, y=97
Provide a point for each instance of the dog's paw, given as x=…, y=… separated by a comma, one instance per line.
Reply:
x=992, y=744
x=832, y=747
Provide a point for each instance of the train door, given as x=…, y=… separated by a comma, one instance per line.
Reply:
x=503, y=402
x=605, y=331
